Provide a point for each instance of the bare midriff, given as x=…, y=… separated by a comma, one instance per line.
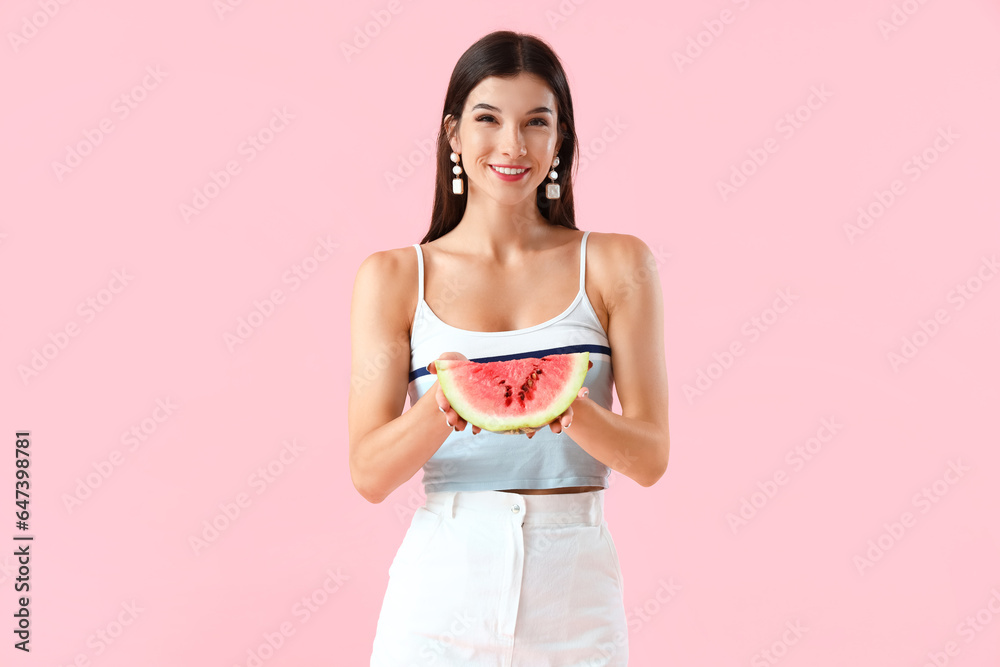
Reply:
x=562, y=489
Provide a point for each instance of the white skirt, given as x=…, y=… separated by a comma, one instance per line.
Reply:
x=497, y=579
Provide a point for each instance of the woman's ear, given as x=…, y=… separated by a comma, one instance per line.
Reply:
x=450, y=125
x=562, y=135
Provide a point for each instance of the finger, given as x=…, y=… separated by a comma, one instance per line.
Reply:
x=457, y=420
x=451, y=418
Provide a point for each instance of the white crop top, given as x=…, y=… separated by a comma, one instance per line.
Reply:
x=493, y=461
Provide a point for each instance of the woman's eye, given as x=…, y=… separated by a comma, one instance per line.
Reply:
x=492, y=119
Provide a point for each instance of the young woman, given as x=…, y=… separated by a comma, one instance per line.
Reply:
x=510, y=560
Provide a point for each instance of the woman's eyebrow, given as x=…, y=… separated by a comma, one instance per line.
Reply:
x=490, y=107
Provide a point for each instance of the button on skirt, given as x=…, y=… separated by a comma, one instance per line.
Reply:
x=497, y=579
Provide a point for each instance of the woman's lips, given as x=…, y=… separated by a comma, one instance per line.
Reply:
x=510, y=177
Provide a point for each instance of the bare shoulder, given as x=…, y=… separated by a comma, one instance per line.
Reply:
x=615, y=261
x=390, y=261
x=389, y=278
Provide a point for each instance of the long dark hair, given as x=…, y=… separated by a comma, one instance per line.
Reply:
x=505, y=54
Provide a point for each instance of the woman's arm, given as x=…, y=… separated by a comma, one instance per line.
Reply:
x=386, y=448
x=635, y=443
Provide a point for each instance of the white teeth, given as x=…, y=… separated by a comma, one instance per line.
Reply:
x=508, y=171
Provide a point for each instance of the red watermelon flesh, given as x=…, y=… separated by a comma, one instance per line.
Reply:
x=512, y=396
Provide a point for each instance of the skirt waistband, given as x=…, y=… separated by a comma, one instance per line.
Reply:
x=586, y=508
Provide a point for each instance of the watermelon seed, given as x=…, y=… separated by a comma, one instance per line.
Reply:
x=502, y=381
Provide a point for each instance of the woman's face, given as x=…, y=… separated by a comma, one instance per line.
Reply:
x=508, y=122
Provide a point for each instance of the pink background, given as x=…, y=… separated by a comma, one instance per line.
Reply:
x=660, y=136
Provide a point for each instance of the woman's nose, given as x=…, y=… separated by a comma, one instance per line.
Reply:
x=513, y=143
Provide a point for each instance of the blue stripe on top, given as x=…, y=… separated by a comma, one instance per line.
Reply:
x=566, y=349
x=493, y=461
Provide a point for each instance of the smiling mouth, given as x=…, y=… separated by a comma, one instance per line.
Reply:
x=508, y=171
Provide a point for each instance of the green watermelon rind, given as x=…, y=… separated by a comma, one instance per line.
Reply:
x=488, y=422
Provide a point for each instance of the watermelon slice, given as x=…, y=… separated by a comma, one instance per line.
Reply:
x=515, y=396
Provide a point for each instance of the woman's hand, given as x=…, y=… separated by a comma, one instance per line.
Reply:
x=453, y=420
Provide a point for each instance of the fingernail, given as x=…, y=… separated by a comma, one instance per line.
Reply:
x=441, y=409
x=568, y=425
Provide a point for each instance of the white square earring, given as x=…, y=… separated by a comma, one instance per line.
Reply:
x=552, y=189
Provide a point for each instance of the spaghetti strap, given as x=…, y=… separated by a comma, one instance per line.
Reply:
x=583, y=258
x=420, y=273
